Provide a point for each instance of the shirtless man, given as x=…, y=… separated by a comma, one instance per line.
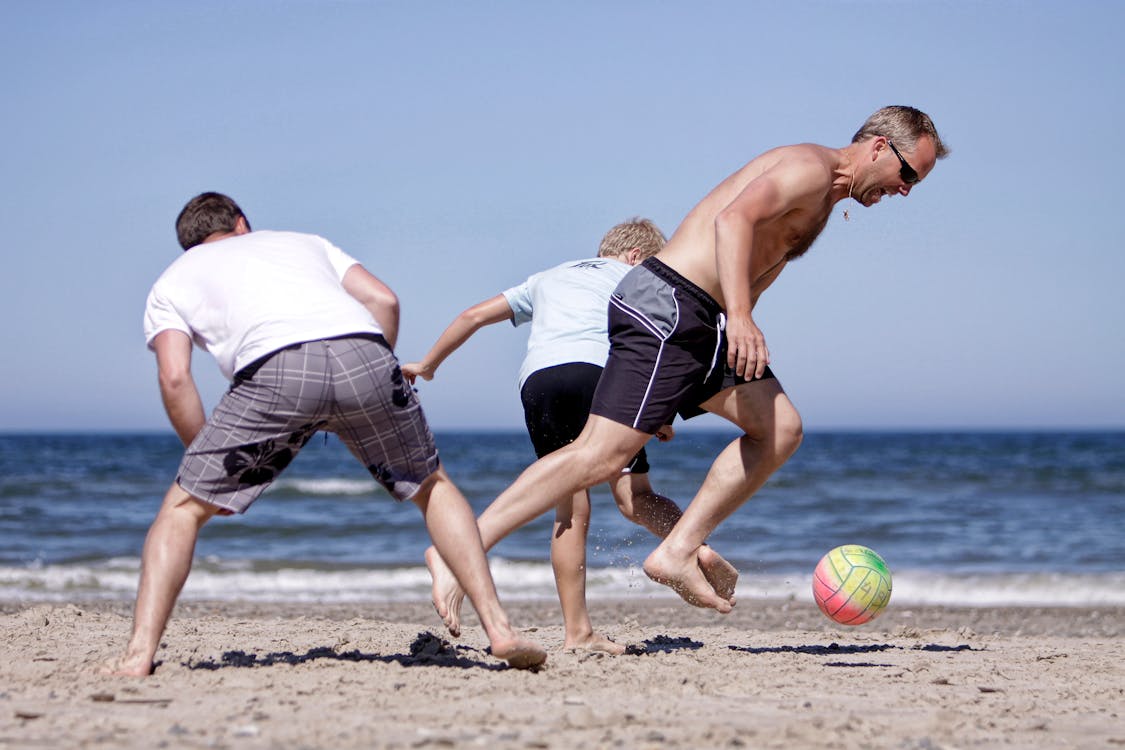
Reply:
x=566, y=306
x=684, y=341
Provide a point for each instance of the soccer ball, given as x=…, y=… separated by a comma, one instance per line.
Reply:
x=851, y=584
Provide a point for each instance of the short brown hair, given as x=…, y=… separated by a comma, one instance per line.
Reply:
x=902, y=125
x=637, y=233
x=204, y=215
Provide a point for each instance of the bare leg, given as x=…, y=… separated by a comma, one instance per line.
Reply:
x=773, y=433
x=599, y=453
x=645, y=507
x=165, y=564
x=449, y=519
x=568, y=558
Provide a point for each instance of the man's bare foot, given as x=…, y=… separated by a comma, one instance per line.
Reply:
x=686, y=579
x=594, y=643
x=126, y=667
x=520, y=653
x=446, y=593
x=719, y=573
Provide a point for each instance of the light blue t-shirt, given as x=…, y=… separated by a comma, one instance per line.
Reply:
x=567, y=306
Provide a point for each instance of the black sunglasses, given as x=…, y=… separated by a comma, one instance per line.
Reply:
x=906, y=172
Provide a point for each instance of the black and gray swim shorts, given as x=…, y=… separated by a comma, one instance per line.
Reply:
x=351, y=386
x=668, y=350
x=556, y=401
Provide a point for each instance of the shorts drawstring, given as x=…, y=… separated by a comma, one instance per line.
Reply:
x=722, y=326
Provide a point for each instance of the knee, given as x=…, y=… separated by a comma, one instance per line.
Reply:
x=598, y=463
x=627, y=506
x=781, y=435
x=184, y=507
x=789, y=432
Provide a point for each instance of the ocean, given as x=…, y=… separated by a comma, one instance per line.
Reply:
x=968, y=518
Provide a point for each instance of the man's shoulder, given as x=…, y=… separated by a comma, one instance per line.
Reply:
x=807, y=158
x=279, y=236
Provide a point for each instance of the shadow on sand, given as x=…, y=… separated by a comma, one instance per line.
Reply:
x=427, y=650
x=835, y=649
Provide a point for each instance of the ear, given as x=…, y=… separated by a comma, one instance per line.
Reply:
x=241, y=226
x=878, y=143
x=633, y=256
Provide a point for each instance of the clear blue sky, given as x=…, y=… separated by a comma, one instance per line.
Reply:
x=455, y=148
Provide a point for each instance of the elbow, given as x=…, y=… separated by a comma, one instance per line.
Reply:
x=174, y=380
x=389, y=302
x=382, y=304
x=475, y=317
x=730, y=222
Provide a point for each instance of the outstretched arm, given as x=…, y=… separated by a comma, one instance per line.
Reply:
x=377, y=297
x=177, y=387
x=485, y=313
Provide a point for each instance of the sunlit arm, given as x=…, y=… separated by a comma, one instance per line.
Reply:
x=377, y=297
x=470, y=321
x=735, y=228
x=177, y=387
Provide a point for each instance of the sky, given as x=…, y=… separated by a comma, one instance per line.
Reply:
x=455, y=148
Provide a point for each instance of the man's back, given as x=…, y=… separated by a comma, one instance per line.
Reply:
x=249, y=295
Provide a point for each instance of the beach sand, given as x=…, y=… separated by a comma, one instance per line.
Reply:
x=772, y=674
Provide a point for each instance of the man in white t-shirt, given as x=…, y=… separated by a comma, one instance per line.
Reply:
x=306, y=336
x=568, y=345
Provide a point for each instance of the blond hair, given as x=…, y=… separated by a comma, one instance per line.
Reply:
x=637, y=233
x=903, y=126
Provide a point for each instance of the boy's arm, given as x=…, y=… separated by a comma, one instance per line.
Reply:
x=377, y=297
x=177, y=387
x=464, y=325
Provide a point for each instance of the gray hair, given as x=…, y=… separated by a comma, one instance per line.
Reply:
x=904, y=126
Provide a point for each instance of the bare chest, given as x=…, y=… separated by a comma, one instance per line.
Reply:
x=789, y=238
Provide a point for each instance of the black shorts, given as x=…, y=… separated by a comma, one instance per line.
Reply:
x=556, y=402
x=668, y=350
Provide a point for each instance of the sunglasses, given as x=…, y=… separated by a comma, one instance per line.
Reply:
x=906, y=172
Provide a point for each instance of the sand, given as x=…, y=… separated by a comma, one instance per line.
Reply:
x=769, y=675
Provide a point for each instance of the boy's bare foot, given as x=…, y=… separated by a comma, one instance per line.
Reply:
x=686, y=579
x=594, y=643
x=446, y=593
x=719, y=573
x=520, y=653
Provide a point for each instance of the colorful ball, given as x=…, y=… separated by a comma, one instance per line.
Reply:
x=851, y=584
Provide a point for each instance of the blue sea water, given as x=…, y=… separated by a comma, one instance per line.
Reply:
x=975, y=518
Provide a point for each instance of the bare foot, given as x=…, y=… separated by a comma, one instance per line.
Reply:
x=686, y=579
x=519, y=652
x=447, y=593
x=126, y=667
x=594, y=643
x=719, y=573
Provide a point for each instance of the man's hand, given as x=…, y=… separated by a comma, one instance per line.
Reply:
x=665, y=433
x=747, y=353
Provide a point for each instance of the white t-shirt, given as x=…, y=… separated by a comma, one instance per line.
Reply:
x=567, y=306
x=243, y=297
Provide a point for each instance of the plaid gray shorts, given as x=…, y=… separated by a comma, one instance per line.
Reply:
x=351, y=386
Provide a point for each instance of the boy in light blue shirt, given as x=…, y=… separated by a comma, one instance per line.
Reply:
x=568, y=345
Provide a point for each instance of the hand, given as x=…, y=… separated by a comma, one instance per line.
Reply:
x=747, y=353
x=665, y=433
x=413, y=370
